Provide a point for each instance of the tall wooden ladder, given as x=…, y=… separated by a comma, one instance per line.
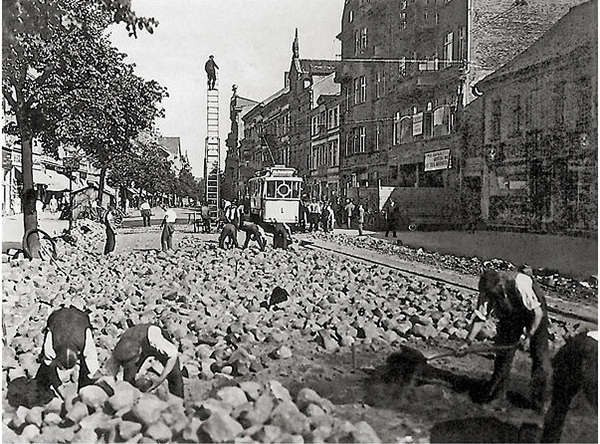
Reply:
x=212, y=158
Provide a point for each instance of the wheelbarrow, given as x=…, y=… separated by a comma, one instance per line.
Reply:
x=402, y=366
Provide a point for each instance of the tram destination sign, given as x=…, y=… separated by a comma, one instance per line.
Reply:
x=438, y=160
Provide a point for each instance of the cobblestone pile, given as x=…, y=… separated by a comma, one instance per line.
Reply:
x=214, y=303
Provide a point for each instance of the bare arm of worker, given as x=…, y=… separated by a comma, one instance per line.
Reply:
x=159, y=342
x=167, y=369
x=538, y=314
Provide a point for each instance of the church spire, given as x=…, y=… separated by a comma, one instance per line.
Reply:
x=296, y=47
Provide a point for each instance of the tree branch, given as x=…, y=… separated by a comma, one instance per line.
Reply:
x=39, y=82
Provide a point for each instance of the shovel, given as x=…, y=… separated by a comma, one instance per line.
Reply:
x=403, y=365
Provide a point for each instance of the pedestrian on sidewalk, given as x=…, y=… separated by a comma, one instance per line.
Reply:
x=349, y=209
x=145, y=210
x=360, y=218
x=138, y=344
x=67, y=340
x=168, y=226
x=254, y=232
x=228, y=237
x=210, y=67
x=314, y=212
x=575, y=369
x=53, y=205
x=518, y=303
x=392, y=219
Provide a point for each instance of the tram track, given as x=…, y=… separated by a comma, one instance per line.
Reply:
x=558, y=309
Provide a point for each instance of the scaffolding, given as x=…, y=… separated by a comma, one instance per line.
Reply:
x=212, y=162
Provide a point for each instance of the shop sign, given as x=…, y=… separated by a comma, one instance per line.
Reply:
x=437, y=160
x=17, y=158
x=6, y=160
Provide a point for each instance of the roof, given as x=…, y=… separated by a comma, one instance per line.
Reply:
x=172, y=145
x=242, y=102
x=576, y=29
x=268, y=100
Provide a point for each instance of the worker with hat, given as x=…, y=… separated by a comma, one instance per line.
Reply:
x=138, y=344
x=210, y=67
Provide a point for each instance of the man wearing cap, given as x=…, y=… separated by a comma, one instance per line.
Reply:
x=141, y=342
x=520, y=307
x=67, y=341
x=210, y=67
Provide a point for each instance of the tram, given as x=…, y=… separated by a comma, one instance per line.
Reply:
x=275, y=196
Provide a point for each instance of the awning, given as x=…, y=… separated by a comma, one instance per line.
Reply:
x=41, y=178
x=60, y=182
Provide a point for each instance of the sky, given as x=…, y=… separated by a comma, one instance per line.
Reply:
x=251, y=41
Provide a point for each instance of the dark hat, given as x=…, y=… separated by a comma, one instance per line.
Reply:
x=210, y=57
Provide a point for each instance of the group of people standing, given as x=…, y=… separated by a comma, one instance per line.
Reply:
x=325, y=215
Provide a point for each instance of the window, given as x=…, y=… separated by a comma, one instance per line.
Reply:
x=356, y=91
x=496, y=119
x=517, y=117
x=559, y=103
x=333, y=121
x=356, y=42
x=350, y=16
x=449, y=47
x=335, y=153
x=425, y=15
x=363, y=89
x=584, y=106
x=315, y=125
x=462, y=45
x=396, y=129
x=377, y=135
x=402, y=66
x=380, y=84
x=403, y=20
x=362, y=134
x=363, y=39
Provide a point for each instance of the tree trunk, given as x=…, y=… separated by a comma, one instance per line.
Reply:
x=101, y=185
x=29, y=195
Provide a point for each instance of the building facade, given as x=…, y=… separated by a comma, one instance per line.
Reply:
x=539, y=148
x=235, y=173
x=323, y=181
x=407, y=74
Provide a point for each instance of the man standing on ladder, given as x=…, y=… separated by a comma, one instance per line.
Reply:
x=210, y=66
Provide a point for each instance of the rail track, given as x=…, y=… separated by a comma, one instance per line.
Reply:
x=571, y=314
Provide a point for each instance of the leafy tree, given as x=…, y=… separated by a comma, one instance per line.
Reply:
x=36, y=46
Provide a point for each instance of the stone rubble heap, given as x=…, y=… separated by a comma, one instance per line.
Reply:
x=212, y=302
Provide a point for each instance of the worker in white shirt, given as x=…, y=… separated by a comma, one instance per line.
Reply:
x=67, y=341
x=168, y=226
x=520, y=308
x=138, y=344
x=145, y=210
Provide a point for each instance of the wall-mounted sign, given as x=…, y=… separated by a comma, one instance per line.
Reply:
x=437, y=160
x=6, y=160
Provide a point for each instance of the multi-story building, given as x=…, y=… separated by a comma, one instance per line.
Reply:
x=278, y=130
x=540, y=125
x=266, y=137
x=236, y=173
x=323, y=180
x=308, y=79
x=408, y=71
x=172, y=146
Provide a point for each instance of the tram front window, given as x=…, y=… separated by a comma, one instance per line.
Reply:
x=271, y=189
